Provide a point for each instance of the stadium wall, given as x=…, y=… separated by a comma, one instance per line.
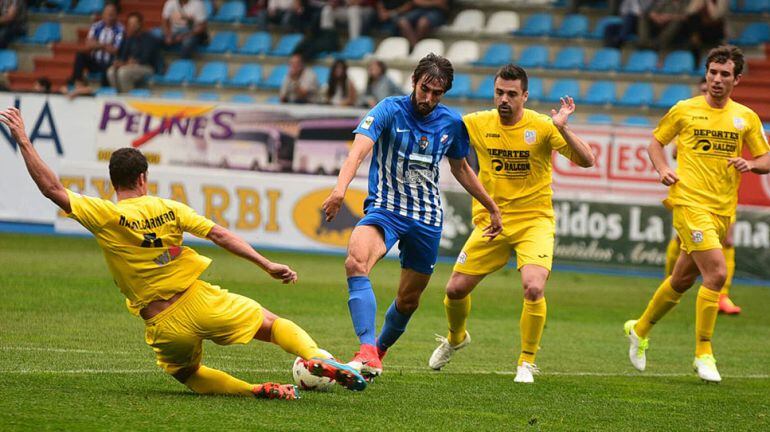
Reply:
x=249, y=167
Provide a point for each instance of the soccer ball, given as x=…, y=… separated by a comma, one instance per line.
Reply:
x=307, y=381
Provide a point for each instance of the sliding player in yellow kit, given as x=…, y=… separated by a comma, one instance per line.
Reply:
x=703, y=194
x=141, y=237
x=514, y=146
x=673, y=250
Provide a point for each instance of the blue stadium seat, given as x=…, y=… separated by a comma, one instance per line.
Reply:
x=678, y=62
x=106, y=91
x=461, y=87
x=273, y=100
x=561, y=88
x=232, y=11
x=286, y=45
x=357, y=48
x=673, y=94
x=246, y=76
x=322, y=74
x=754, y=34
x=9, y=61
x=222, y=42
x=209, y=8
x=485, y=89
x=258, y=43
x=52, y=6
x=533, y=56
x=641, y=62
x=636, y=121
x=599, y=119
x=140, y=93
x=638, y=94
x=569, y=58
x=172, y=94
x=179, y=71
x=212, y=73
x=46, y=32
x=573, y=26
x=87, y=7
x=605, y=59
x=602, y=24
x=242, y=98
x=535, y=89
x=208, y=96
x=275, y=78
x=497, y=54
x=750, y=6
x=600, y=93
x=539, y=24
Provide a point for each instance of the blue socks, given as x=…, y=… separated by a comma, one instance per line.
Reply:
x=395, y=324
x=363, y=308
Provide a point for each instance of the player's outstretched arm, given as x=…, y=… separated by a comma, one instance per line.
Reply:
x=760, y=164
x=658, y=158
x=583, y=155
x=45, y=179
x=362, y=145
x=229, y=241
x=467, y=178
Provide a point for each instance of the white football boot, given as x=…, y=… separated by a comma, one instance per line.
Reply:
x=525, y=373
x=637, y=346
x=706, y=367
x=444, y=352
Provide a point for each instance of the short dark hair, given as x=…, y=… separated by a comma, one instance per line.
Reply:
x=513, y=72
x=723, y=53
x=126, y=165
x=434, y=67
x=138, y=16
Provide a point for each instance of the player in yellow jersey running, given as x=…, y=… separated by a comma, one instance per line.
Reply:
x=514, y=146
x=673, y=249
x=141, y=237
x=703, y=194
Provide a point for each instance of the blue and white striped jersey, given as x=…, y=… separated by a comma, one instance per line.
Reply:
x=107, y=35
x=404, y=173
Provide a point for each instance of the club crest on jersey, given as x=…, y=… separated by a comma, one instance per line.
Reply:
x=697, y=236
x=423, y=143
x=530, y=136
x=444, y=138
x=739, y=123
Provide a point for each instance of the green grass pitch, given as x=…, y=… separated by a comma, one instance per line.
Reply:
x=73, y=358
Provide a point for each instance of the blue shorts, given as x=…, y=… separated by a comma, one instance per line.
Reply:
x=418, y=242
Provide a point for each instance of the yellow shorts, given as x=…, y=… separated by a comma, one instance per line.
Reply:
x=699, y=229
x=531, y=237
x=205, y=311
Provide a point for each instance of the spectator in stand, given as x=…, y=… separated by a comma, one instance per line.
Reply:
x=388, y=13
x=378, y=86
x=13, y=21
x=184, y=25
x=630, y=11
x=138, y=57
x=102, y=44
x=419, y=22
x=707, y=23
x=356, y=13
x=664, y=26
x=340, y=91
x=42, y=85
x=612, y=5
x=300, y=84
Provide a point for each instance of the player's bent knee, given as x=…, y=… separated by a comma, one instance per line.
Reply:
x=355, y=266
x=457, y=291
x=182, y=375
x=533, y=291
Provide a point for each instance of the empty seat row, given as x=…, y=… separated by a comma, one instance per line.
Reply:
x=261, y=43
x=598, y=93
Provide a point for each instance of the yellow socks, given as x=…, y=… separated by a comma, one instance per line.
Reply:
x=294, y=340
x=706, y=310
x=730, y=262
x=457, y=312
x=211, y=381
x=532, y=323
x=672, y=254
x=662, y=301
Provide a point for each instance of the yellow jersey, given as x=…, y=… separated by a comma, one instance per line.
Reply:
x=142, y=243
x=707, y=138
x=515, y=161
